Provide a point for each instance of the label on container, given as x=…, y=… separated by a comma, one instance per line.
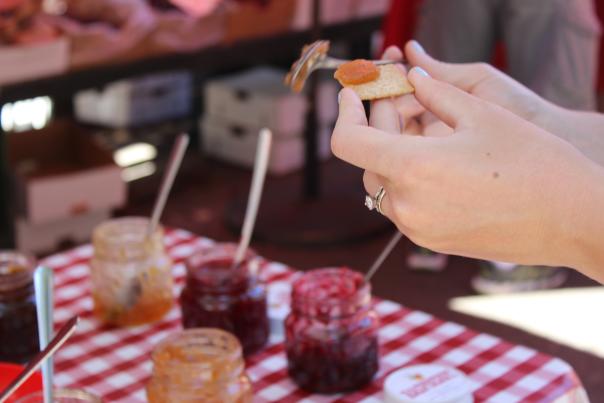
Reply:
x=278, y=299
x=427, y=383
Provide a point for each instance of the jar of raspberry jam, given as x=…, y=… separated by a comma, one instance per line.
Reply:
x=199, y=365
x=331, y=333
x=219, y=294
x=18, y=321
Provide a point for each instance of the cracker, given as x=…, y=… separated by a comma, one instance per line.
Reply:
x=392, y=82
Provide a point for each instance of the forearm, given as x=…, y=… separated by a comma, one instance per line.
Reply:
x=584, y=130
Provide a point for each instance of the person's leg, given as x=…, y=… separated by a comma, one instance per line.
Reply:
x=552, y=47
x=458, y=31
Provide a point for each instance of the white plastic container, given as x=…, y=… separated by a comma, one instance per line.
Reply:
x=137, y=102
x=237, y=144
x=427, y=384
x=257, y=98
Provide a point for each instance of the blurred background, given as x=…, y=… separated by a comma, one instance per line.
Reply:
x=93, y=93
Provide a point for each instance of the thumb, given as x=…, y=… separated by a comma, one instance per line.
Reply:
x=351, y=111
x=451, y=105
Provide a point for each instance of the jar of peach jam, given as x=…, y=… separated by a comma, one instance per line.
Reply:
x=130, y=273
x=199, y=365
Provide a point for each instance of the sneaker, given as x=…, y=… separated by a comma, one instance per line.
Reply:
x=501, y=278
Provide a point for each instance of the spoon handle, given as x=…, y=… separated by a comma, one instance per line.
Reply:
x=380, y=259
x=61, y=337
x=43, y=283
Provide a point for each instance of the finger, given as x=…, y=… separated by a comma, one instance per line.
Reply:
x=355, y=142
x=351, y=108
x=393, y=53
x=384, y=113
x=451, y=105
x=464, y=76
x=384, y=116
x=408, y=106
x=372, y=183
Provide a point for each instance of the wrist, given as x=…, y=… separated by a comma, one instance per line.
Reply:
x=582, y=225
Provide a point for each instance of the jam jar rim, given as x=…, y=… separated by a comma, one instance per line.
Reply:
x=234, y=352
x=20, y=278
x=301, y=303
x=246, y=268
x=108, y=237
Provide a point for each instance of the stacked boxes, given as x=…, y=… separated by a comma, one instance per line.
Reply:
x=238, y=106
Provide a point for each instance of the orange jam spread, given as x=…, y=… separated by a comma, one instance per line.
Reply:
x=357, y=72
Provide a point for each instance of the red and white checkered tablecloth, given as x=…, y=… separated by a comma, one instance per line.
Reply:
x=115, y=363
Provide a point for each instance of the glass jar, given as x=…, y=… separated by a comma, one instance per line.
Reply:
x=199, y=365
x=331, y=333
x=219, y=294
x=18, y=321
x=130, y=273
x=63, y=396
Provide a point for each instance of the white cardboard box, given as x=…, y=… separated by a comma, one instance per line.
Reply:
x=257, y=98
x=136, y=102
x=43, y=238
x=27, y=62
x=61, y=172
x=237, y=144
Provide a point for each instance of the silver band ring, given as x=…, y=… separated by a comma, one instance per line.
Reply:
x=378, y=200
x=375, y=203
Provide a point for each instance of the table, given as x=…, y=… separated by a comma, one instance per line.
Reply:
x=115, y=363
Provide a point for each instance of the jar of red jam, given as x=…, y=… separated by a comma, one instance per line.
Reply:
x=199, y=365
x=18, y=321
x=130, y=273
x=219, y=294
x=331, y=333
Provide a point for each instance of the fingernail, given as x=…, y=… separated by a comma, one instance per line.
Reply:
x=417, y=46
x=339, y=96
x=421, y=71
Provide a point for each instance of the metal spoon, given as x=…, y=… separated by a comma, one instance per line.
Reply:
x=263, y=151
x=61, y=337
x=314, y=57
x=380, y=259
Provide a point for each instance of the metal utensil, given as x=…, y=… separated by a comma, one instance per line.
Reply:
x=263, y=151
x=61, y=337
x=43, y=284
x=380, y=259
x=178, y=153
x=314, y=57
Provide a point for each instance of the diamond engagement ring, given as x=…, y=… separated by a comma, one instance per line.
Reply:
x=375, y=203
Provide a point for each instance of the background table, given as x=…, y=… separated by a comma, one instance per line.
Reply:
x=115, y=363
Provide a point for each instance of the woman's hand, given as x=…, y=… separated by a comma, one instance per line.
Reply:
x=487, y=83
x=498, y=188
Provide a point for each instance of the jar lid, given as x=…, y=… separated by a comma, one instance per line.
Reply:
x=427, y=384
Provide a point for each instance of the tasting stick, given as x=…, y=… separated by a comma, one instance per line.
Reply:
x=260, y=166
x=43, y=285
x=178, y=153
x=380, y=259
x=64, y=333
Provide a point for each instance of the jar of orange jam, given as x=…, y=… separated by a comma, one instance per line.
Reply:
x=130, y=273
x=199, y=365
